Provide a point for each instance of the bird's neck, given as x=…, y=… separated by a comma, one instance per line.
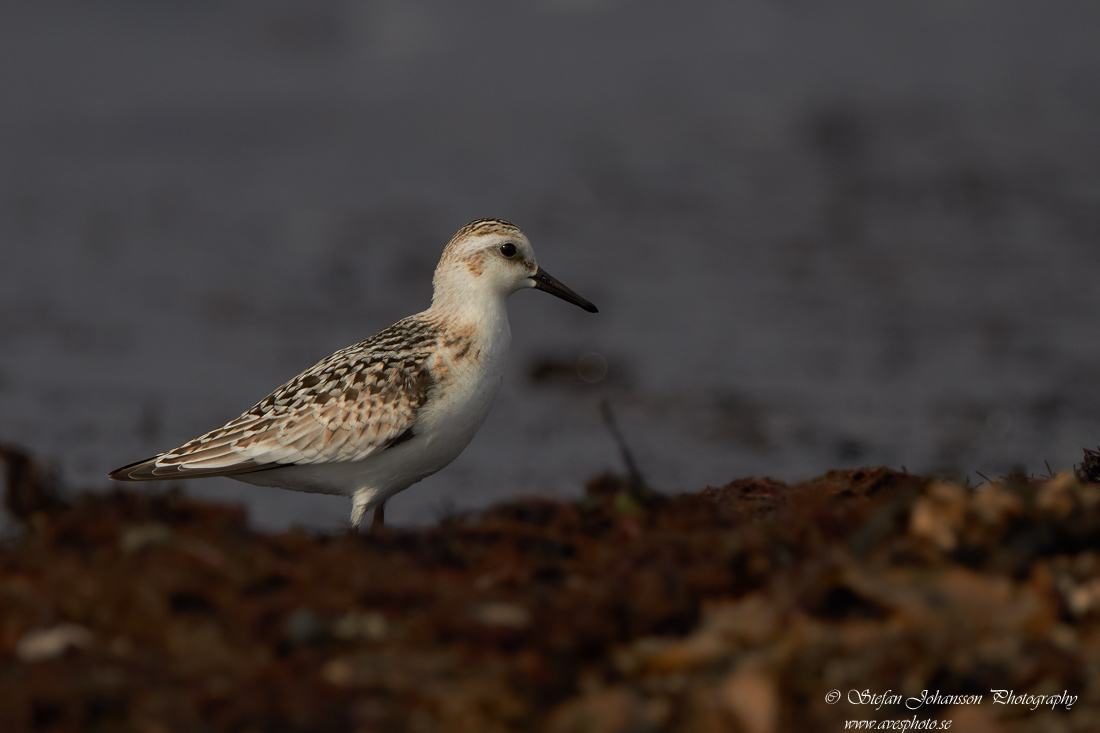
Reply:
x=480, y=310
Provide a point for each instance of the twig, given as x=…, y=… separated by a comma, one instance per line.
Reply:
x=635, y=481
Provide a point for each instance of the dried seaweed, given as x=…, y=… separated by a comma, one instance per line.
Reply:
x=733, y=608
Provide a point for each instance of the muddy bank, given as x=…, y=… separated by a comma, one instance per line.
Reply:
x=733, y=608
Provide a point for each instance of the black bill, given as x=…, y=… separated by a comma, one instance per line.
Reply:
x=547, y=283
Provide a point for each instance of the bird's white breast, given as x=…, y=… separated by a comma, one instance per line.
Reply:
x=469, y=375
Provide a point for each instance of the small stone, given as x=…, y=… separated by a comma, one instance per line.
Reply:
x=751, y=696
x=43, y=644
x=361, y=626
x=938, y=515
x=144, y=535
x=1056, y=495
x=507, y=615
x=995, y=506
x=337, y=672
x=612, y=710
x=302, y=626
x=1084, y=598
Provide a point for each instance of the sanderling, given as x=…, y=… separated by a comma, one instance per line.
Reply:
x=375, y=418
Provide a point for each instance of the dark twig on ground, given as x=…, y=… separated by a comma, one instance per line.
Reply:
x=638, y=488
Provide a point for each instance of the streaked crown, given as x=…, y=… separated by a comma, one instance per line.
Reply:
x=485, y=256
x=467, y=237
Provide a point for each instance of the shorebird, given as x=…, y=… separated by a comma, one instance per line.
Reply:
x=375, y=418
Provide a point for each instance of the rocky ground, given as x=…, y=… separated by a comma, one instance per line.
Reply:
x=737, y=608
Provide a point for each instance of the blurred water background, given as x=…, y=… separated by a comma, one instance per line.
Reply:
x=821, y=234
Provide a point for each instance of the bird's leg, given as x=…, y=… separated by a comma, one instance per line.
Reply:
x=359, y=503
x=378, y=523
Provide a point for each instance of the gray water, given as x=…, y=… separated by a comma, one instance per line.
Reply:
x=821, y=235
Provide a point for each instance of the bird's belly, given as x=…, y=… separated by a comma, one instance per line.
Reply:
x=445, y=426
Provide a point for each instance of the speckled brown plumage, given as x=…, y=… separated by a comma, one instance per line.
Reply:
x=357, y=401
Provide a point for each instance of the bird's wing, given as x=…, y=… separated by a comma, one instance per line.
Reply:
x=356, y=402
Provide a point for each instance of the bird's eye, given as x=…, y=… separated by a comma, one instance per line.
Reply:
x=508, y=249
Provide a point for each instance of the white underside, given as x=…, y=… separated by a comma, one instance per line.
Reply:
x=456, y=408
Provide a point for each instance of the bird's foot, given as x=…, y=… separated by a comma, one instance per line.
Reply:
x=378, y=522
